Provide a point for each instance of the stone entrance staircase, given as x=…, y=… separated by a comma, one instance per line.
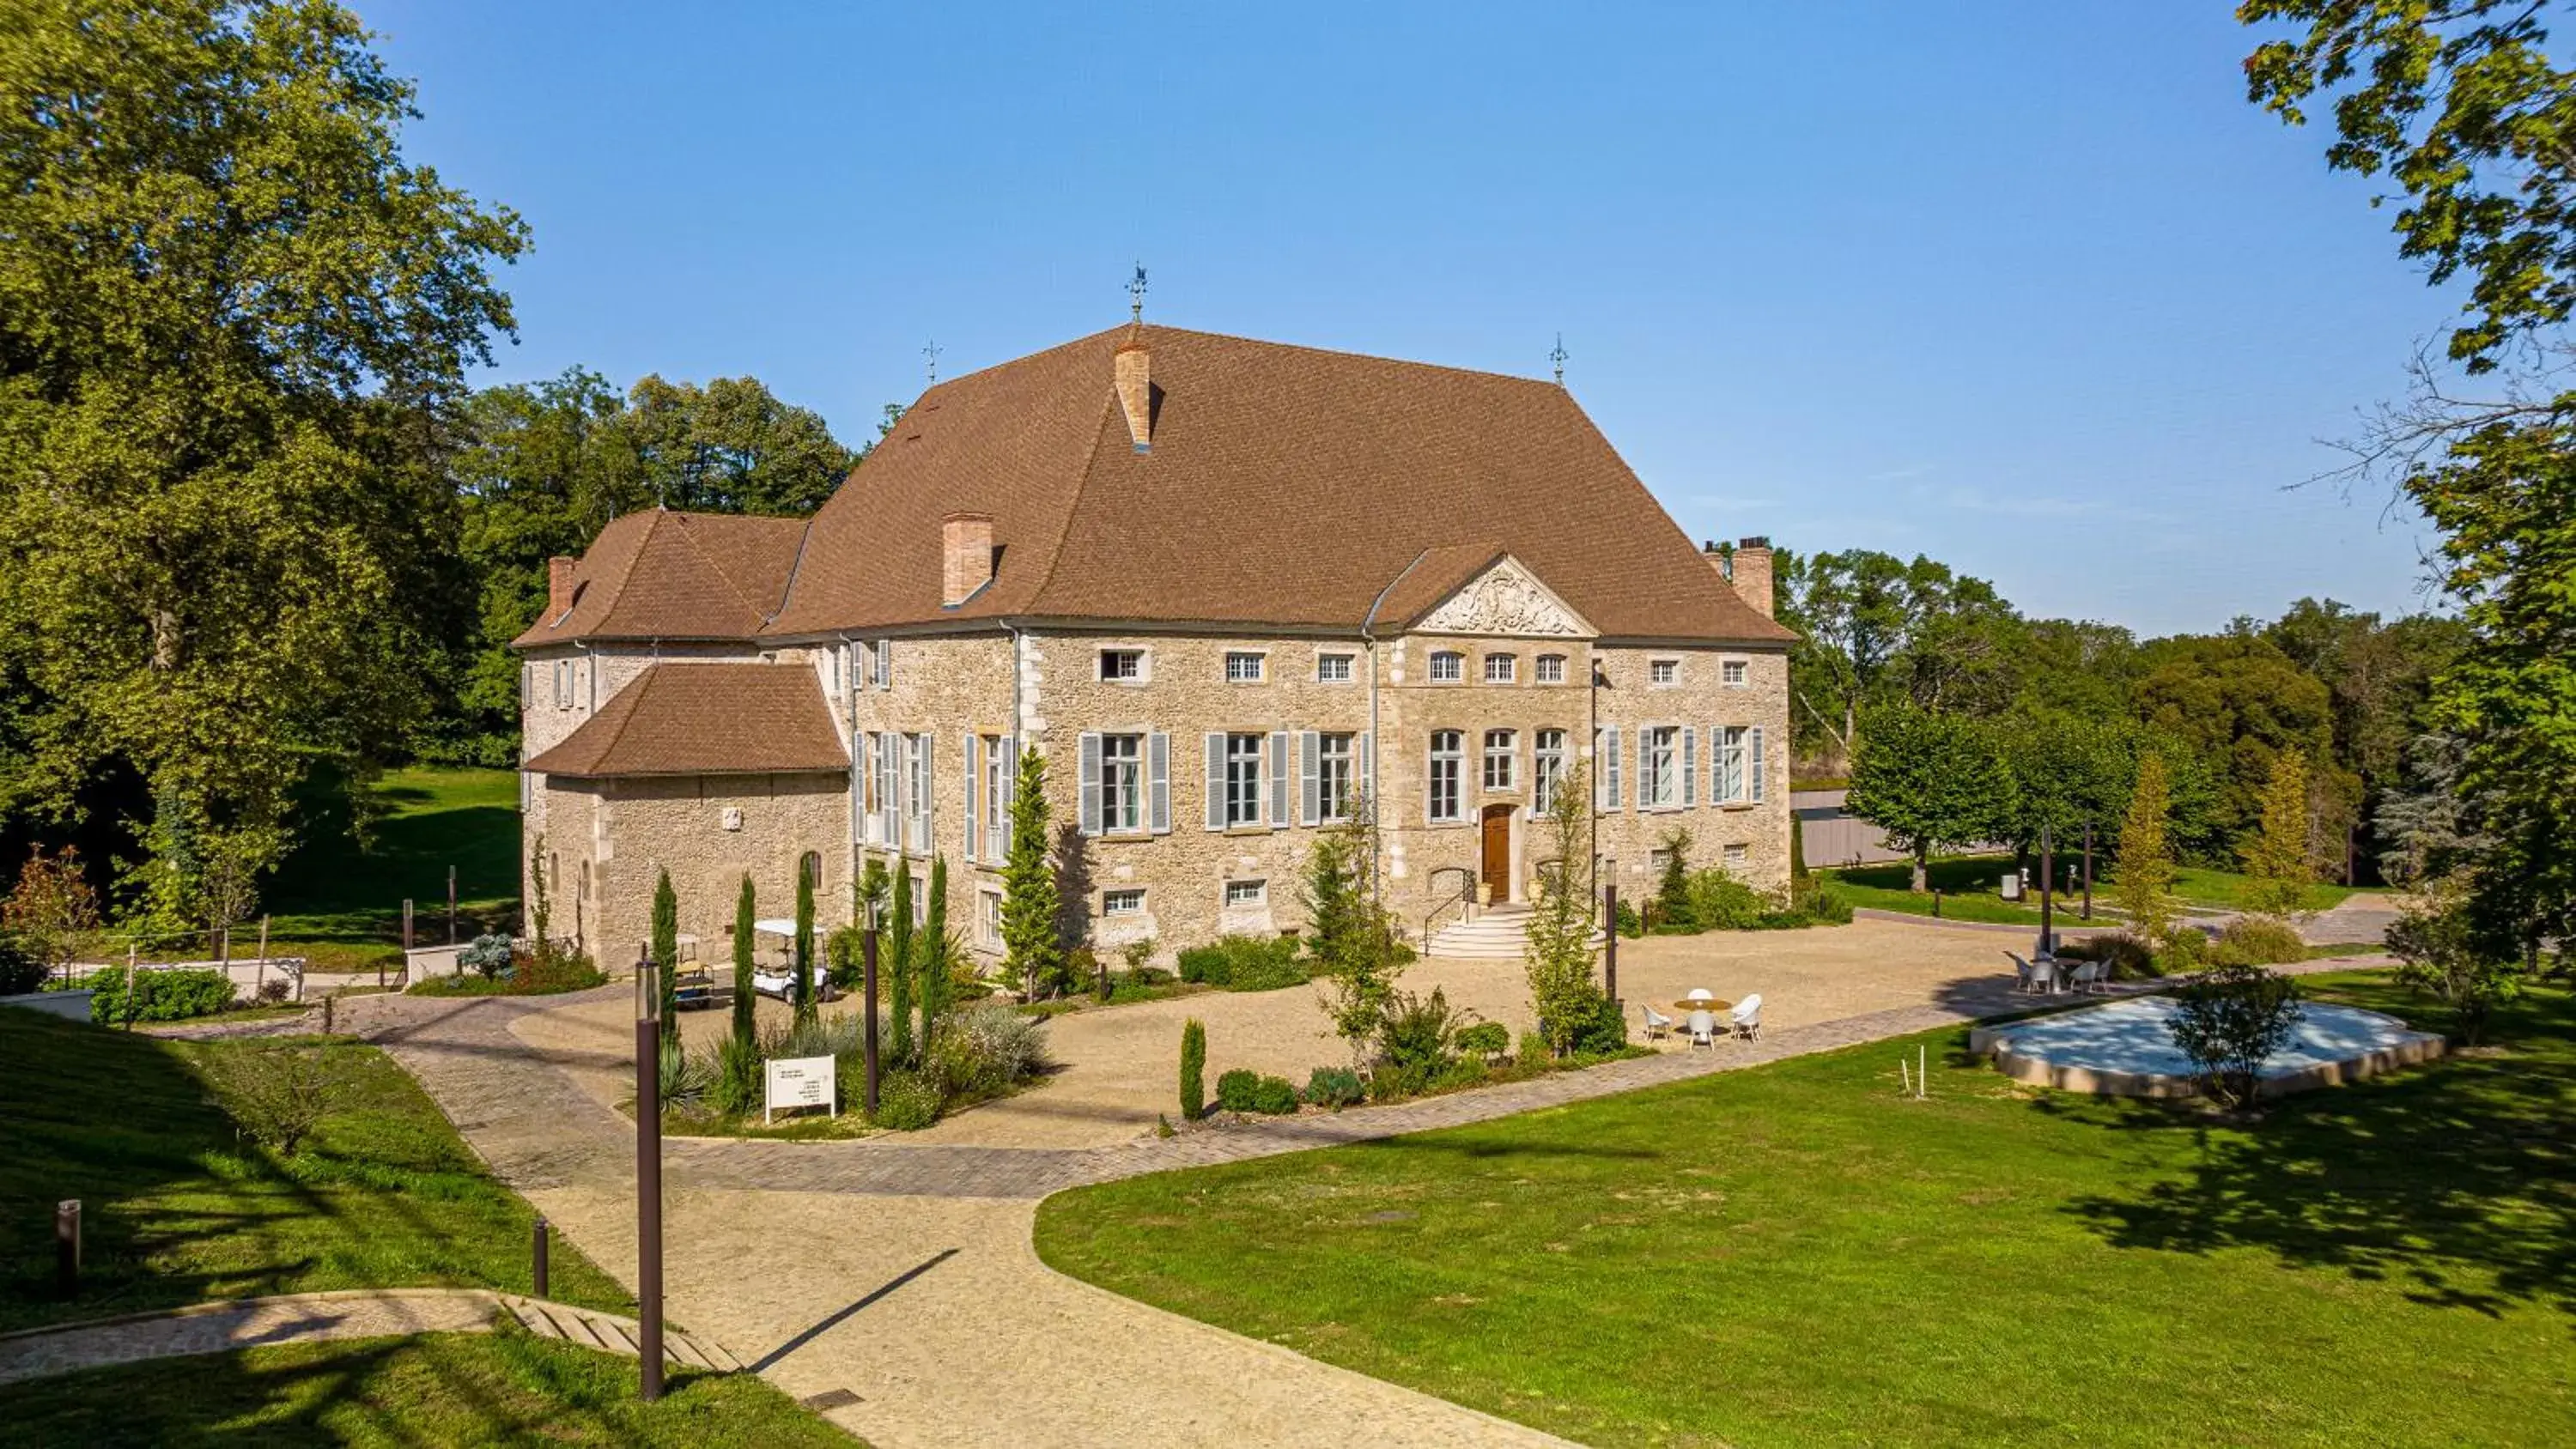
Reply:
x=1497, y=933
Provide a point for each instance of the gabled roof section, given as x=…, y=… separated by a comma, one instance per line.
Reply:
x=1494, y=595
x=705, y=719
x=1285, y=485
x=665, y=575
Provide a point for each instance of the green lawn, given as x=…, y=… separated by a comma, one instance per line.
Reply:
x=179, y=1207
x=441, y=1388
x=1969, y=891
x=1798, y=1255
x=343, y=906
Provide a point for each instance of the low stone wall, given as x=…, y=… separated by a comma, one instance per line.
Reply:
x=69, y=1005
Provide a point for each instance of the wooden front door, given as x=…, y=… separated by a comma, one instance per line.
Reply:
x=1498, y=851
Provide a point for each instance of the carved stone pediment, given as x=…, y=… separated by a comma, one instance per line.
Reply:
x=1505, y=599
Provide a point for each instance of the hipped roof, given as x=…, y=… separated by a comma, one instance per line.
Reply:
x=1284, y=486
x=705, y=719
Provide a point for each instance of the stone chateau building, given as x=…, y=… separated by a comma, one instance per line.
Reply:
x=1226, y=587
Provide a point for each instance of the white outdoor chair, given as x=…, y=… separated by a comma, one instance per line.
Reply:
x=1703, y=1031
x=2024, y=974
x=1658, y=1025
x=1747, y=1018
x=2090, y=976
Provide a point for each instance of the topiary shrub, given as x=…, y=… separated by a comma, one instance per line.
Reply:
x=1275, y=1096
x=2258, y=941
x=1334, y=1087
x=1193, y=1070
x=1485, y=1039
x=1238, y=1090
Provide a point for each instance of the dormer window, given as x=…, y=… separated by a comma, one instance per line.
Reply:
x=1448, y=666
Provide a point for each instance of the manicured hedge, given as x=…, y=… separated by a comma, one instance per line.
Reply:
x=1245, y=963
x=159, y=995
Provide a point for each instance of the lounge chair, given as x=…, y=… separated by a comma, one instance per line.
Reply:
x=1658, y=1025
x=1703, y=1031
x=1747, y=1018
x=2024, y=973
x=2089, y=976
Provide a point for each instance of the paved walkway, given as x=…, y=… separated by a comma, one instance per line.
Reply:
x=900, y=1276
x=317, y=1317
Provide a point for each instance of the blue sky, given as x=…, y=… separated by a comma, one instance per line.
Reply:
x=2029, y=288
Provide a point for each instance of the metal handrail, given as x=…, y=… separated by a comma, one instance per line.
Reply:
x=1466, y=890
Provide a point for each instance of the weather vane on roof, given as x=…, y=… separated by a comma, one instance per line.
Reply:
x=1556, y=355
x=931, y=353
x=1136, y=296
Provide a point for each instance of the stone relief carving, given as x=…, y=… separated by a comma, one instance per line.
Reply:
x=1504, y=601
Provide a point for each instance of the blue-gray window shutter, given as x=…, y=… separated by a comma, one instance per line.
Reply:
x=1216, y=782
x=1367, y=785
x=1090, y=807
x=1310, y=777
x=1158, y=747
x=1690, y=765
x=1279, y=779
x=974, y=792
x=1000, y=844
x=1757, y=764
x=1618, y=796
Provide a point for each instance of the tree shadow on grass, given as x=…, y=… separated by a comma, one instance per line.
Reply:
x=2458, y=1179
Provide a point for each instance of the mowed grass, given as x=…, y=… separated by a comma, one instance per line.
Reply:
x=342, y=905
x=442, y=1388
x=1797, y=1254
x=1970, y=891
x=177, y=1206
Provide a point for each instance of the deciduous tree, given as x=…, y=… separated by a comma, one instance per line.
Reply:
x=1931, y=781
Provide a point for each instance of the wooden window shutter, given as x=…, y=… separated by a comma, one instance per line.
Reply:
x=1279, y=780
x=1690, y=765
x=1757, y=764
x=1310, y=777
x=974, y=792
x=1158, y=776
x=1216, y=782
x=1090, y=806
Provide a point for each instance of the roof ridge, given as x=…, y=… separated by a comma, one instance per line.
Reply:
x=1073, y=507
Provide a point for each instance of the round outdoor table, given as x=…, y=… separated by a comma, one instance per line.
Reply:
x=1705, y=1003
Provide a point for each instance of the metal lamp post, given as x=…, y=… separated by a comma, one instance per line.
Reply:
x=648, y=1167
x=2047, y=892
x=868, y=1028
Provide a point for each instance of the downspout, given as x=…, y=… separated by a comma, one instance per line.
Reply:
x=1377, y=740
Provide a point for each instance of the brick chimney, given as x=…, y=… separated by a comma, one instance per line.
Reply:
x=966, y=550
x=1750, y=569
x=559, y=586
x=1136, y=391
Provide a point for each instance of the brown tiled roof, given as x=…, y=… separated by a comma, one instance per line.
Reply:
x=1285, y=485
x=1431, y=578
x=705, y=719
x=664, y=575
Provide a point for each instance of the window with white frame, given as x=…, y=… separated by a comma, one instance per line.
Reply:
x=1501, y=668
x=1000, y=778
x=1734, y=856
x=916, y=762
x=1128, y=901
x=1336, y=770
x=988, y=918
x=1246, y=892
x=1243, y=666
x=1122, y=666
x=1332, y=669
x=881, y=805
x=1122, y=783
x=1550, y=769
x=1448, y=666
x=1732, y=674
x=1243, y=779
x=1659, y=767
x=1448, y=761
x=1550, y=669
x=1661, y=672
x=1733, y=775
x=920, y=901
x=1502, y=760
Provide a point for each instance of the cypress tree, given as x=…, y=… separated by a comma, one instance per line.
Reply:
x=745, y=1033
x=1030, y=904
x=801, y=990
x=932, y=948
x=898, y=959
x=1193, y=1070
x=666, y=953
